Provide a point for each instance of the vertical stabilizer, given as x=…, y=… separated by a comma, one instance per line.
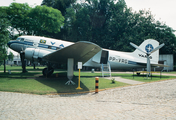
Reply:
x=147, y=46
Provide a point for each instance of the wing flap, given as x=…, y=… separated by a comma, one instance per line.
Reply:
x=81, y=52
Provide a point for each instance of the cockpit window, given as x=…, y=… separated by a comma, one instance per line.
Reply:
x=20, y=39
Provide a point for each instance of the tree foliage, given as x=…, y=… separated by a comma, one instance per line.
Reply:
x=45, y=19
x=113, y=25
x=18, y=16
x=4, y=34
x=61, y=5
x=108, y=23
x=10, y=56
x=40, y=20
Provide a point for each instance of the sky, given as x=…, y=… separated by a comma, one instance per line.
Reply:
x=163, y=10
x=31, y=3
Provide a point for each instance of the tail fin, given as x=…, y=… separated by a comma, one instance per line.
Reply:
x=148, y=45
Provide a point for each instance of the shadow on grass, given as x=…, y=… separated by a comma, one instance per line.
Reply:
x=50, y=85
x=58, y=83
x=19, y=75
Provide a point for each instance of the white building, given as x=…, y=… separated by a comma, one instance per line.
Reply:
x=168, y=60
x=16, y=59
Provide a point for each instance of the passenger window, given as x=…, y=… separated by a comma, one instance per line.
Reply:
x=22, y=39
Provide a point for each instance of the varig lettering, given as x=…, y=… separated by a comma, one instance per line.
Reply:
x=144, y=56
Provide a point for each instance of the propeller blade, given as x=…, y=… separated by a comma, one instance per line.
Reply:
x=135, y=46
x=160, y=46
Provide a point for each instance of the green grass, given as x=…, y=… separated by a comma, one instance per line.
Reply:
x=41, y=85
x=143, y=78
x=33, y=81
x=19, y=68
x=173, y=72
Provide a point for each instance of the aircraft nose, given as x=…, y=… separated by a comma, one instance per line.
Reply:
x=9, y=43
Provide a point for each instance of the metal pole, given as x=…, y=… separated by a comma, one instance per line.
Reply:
x=96, y=84
x=79, y=88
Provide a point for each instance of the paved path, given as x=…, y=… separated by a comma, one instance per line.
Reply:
x=132, y=82
x=152, y=101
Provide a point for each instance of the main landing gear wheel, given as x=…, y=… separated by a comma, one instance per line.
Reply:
x=47, y=72
x=138, y=74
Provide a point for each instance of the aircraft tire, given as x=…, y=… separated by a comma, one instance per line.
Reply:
x=138, y=74
x=46, y=72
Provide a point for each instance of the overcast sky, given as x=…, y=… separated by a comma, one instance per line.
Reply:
x=163, y=10
x=30, y=2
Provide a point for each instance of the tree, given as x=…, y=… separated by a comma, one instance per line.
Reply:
x=4, y=35
x=90, y=21
x=126, y=26
x=10, y=56
x=40, y=20
x=61, y=5
x=45, y=19
x=18, y=16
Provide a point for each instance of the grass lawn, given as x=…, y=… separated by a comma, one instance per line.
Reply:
x=41, y=85
x=143, y=78
x=19, y=68
x=34, y=82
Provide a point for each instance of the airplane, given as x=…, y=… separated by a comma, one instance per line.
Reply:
x=53, y=52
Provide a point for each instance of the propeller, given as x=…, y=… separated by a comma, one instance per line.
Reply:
x=148, y=53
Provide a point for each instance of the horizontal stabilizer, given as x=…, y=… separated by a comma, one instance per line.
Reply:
x=81, y=52
x=153, y=65
x=159, y=65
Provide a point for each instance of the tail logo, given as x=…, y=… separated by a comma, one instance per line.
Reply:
x=148, y=48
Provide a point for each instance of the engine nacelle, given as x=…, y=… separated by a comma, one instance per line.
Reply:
x=33, y=54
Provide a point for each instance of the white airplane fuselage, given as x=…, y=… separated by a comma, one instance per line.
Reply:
x=36, y=48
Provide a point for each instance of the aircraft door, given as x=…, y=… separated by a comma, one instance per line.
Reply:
x=104, y=57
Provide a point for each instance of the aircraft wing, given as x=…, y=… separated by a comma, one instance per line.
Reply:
x=81, y=52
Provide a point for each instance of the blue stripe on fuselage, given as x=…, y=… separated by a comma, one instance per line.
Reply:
x=132, y=62
x=43, y=46
x=32, y=44
x=20, y=42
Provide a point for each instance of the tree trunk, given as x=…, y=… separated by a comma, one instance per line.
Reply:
x=34, y=65
x=4, y=66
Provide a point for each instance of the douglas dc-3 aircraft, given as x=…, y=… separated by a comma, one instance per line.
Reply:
x=54, y=52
